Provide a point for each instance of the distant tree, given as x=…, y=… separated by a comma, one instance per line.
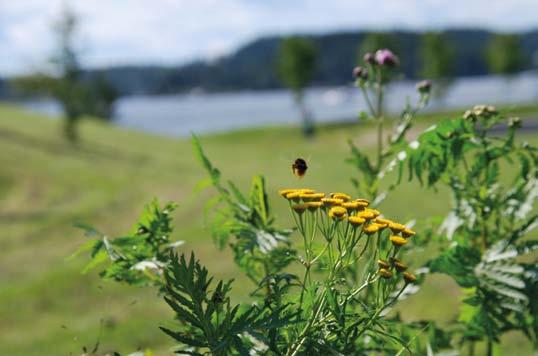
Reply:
x=76, y=96
x=504, y=54
x=436, y=61
x=374, y=41
x=296, y=64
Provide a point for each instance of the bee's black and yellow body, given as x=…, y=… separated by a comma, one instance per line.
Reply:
x=299, y=167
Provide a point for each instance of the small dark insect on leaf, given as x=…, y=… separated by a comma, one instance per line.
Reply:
x=299, y=167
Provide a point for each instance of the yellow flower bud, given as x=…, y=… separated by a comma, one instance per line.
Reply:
x=383, y=264
x=409, y=277
x=385, y=273
x=400, y=266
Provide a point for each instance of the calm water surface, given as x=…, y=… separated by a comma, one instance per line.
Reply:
x=179, y=115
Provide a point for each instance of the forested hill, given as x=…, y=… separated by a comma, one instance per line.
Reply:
x=253, y=65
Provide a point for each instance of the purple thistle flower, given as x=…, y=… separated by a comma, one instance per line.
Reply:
x=384, y=57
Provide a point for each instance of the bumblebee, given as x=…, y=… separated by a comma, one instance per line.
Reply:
x=299, y=167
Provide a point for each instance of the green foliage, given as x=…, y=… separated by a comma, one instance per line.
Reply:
x=296, y=62
x=504, y=55
x=245, y=224
x=139, y=257
x=210, y=323
x=458, y=262
x=490, y=219
x=337, y=307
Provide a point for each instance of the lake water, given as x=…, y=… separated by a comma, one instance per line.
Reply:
x=179, y=115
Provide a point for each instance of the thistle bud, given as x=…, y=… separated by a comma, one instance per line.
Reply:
x=369, y=58
x=424, y=87
x=360, y=73
x=384, y=57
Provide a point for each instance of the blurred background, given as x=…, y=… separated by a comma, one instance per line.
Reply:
x=98, y=98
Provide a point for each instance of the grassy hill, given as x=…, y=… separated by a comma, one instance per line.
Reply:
x=48, y=307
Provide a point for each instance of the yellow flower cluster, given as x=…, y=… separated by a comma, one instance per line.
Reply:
x=340, y=206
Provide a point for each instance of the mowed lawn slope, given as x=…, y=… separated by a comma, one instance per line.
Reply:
x=46, y=185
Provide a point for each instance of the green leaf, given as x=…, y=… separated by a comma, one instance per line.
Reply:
x=458, y=262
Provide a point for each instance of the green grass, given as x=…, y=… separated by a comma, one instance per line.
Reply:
x=48, y=307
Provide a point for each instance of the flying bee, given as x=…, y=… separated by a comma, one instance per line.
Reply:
x=299, y=167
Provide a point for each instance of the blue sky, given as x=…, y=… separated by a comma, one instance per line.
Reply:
x=175, y=31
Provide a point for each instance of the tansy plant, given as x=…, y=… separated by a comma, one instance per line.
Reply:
x=372, y=79
x=493, y=180
x=325, y=289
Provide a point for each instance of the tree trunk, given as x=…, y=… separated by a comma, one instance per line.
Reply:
x=308, y=128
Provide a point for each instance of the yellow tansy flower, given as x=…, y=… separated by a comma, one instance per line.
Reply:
x=374, y=211
x=299, y=208
x=382, y=221
x=366, y=214
x=351, y=205
x=342, y=196
x=363, y=202
x=313, y=205
x=337, y=212
x=295, y=196
x=284, y=192
x=312, y=196
x=396, y=228
x=331, y=201
x=398, y=240
x=356, y=220
x=306, y=191
x=408, y=233
x=370, y=229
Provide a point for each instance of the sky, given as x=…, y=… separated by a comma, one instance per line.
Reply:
x=171, y=32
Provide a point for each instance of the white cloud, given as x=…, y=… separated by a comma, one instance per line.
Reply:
x=172, y=31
